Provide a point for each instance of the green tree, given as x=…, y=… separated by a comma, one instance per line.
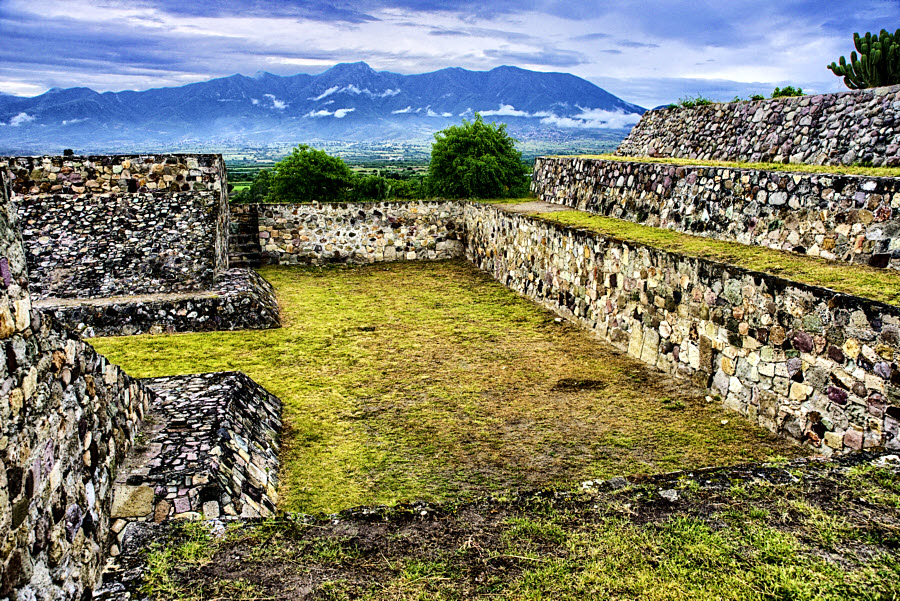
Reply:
x=787, y=91
x=475, y=160
x=308, y=175
x=878, y=63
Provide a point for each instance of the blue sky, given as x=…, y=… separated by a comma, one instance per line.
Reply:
x=648, y=52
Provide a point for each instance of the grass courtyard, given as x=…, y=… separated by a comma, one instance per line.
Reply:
x=430, y=380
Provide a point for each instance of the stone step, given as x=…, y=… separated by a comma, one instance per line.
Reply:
x=210, y=450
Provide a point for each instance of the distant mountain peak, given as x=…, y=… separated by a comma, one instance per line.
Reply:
x=348, y=68
x=348, y=102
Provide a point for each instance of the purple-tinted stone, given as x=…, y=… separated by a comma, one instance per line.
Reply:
x=836, y=354
x=182, y=505
x=803, y=342
x=883, y=370
x=837, y=395
x=5, y=273
x=793, y=365
x=74, y=517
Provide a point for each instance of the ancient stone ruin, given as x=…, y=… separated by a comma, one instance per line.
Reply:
x=120, y=245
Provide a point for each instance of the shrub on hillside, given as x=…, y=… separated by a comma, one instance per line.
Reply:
x=308, y=175
x=787, y=91
x=475, y=160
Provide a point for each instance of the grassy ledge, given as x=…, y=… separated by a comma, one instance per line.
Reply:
x=430, y=380
x=788, y=167
x=860, y=280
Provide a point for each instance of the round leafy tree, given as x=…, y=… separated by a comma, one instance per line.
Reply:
x=308, y=174
x=474, y=160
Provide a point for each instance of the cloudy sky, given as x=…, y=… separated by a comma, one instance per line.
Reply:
x=648, y=52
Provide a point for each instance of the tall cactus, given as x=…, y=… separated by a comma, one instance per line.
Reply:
x=878, y=63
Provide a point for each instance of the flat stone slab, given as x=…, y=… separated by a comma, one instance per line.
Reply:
x=132, y=501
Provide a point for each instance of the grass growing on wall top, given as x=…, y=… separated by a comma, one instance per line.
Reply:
x=861, y=280
x=789, y=167
x=430, y=380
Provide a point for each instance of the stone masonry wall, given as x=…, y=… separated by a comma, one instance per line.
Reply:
x=67, y=418
x=116, y=174
x=843, y=217
x=360, y=232
x=211, y=450
x=827, y=129
x=102, y=245
x=809, y=363
x=240, y=299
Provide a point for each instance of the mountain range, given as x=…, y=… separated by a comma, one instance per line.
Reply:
x=348, y=102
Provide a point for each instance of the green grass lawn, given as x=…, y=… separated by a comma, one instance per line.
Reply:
x=430, y=380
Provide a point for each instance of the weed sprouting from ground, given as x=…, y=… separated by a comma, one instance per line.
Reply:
x=808, y=538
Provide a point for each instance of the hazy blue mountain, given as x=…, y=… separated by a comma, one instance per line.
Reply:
x=349, y=102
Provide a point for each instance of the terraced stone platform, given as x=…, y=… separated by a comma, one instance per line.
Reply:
x=239, y=300
x=209, y=448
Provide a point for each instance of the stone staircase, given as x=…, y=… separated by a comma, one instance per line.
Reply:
x=244, y=249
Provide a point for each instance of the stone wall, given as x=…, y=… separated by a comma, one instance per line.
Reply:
x=103, y=245
x=843, y=217
x=814, y=365
x=828, y=129
x=240, y=299
x=360, y=232
x=210, y=450
x=116, y=174
x=67, y=418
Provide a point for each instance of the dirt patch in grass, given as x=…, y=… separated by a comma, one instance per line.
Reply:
x=407, y=381
x=802, y=531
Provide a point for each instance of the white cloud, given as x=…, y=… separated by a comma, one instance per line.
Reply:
x=277, y=104
x=595, y=119
x=352, y=89
x=73, y=121
x=587, y=118
x=20, y=119
x=402, y=111
x=254, y=101
x=507, y=110
x=326, y=93
x=338, y=114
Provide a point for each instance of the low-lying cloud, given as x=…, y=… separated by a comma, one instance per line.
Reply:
x=337, y=114
x=21, y=119
x=588, y=118
x=352, y=89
